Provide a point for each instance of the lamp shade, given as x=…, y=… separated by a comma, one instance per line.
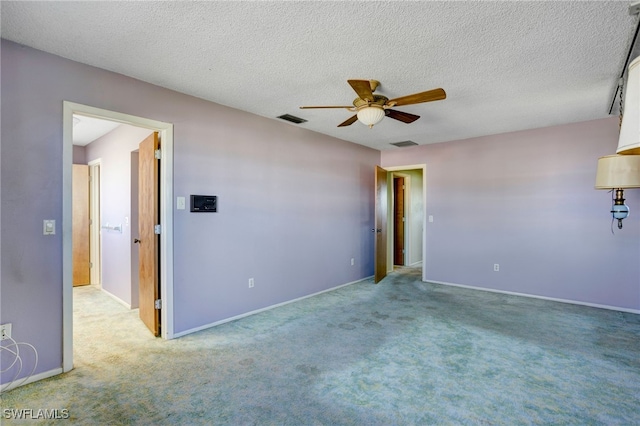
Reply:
x=629, y=142
x=370, y=115
x=618, y=171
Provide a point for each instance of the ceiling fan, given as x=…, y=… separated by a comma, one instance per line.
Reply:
x=371, y=109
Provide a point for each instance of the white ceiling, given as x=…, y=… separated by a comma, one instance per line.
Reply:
x=87, y=129
x=505, y=66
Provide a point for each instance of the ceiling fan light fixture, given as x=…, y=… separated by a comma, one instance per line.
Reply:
x=618, y=172
x=370, y=115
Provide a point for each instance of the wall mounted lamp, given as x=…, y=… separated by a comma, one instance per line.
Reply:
x=622, y=171
x=618, y=172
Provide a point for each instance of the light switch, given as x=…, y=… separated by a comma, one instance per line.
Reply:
x=430, y=218
x=181, y=203
x=49, y=227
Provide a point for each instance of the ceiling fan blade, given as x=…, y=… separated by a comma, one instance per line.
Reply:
x=349, y=122
x=405, y=117
x=328, y=106
x=362, y=88
x=416, y=98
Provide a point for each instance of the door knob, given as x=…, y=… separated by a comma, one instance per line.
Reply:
x=379, y=230
x=136, y=241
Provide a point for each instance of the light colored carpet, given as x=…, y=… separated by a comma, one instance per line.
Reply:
x=402, y=352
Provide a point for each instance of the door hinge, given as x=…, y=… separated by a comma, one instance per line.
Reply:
x=157, y=229
x=90, y=265
x=157, y=154
x=158, y=304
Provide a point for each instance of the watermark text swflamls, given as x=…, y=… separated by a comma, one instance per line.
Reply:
x=35, y=414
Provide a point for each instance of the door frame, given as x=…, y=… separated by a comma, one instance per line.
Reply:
x=166, y=217
x=95, y=213
x=399, y=169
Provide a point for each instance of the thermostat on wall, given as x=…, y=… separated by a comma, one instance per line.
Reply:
x=204, y=203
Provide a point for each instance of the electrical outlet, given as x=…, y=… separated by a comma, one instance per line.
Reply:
x=250, y=282
x=496, y=267
x=353, y=261
x=5, y=331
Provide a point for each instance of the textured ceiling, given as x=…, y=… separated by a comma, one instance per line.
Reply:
x=505, y=66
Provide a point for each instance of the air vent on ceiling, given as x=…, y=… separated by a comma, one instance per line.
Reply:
x=292, y=118
x=404, y=144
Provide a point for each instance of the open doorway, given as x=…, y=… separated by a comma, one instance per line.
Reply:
x=407, y=211
x=118, y=223
x=399, y=214
x=108, y=153
x=406, y=218
x=113, y=151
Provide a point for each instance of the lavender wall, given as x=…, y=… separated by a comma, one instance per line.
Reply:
x=79, y=154
x=525, y=200
x=295, y=206
x=114, y=151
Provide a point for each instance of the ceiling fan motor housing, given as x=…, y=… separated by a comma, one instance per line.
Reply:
x=378, y=100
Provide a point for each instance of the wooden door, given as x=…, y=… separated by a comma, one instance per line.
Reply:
x=80, y=225
x=149, y=241
x=380, y=270
x=398, y=221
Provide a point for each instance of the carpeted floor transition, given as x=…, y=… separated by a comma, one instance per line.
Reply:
x=402, y=352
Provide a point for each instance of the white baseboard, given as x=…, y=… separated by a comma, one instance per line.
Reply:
x=117, y=299
x=34, y=378
x=533, y=296
x=257, y=311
